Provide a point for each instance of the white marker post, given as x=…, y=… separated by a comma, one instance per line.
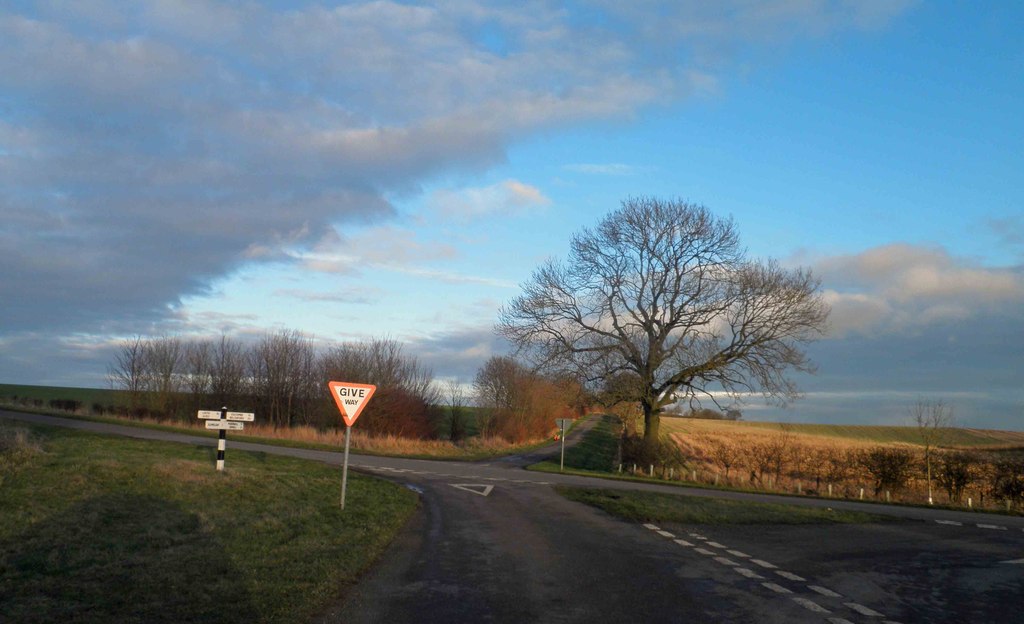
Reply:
x=562, y=424
x=350, y=398
x=224, y=420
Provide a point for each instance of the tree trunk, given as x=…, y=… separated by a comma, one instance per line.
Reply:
x=652, y=426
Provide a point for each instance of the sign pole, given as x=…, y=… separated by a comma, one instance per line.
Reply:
x=344, y=468
x=222, y=441
x=561, y=464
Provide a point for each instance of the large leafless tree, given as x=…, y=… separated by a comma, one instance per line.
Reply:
x=661, y=299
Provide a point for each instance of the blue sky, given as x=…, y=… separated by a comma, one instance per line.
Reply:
x=367, y=169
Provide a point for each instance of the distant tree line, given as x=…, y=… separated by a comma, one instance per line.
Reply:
x=283, y=376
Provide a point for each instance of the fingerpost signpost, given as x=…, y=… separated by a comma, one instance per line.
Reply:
x=224, y=420
x=351, y=398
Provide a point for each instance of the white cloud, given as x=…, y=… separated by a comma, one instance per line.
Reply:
x=506, y=198
x=615, y=169
x=903, y=287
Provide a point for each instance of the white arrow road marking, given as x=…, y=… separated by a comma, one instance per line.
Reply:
x=476, y=488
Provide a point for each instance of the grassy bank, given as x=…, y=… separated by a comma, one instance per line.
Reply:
x=654, y=507
x=99, y=529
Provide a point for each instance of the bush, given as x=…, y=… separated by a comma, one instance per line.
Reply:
x=890, y=467
x=953, y=473
x=666, y=454
x=1008, y=480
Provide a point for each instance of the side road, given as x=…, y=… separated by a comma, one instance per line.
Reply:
x=509, y=469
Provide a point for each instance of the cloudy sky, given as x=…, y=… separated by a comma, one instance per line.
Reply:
x=398, y=169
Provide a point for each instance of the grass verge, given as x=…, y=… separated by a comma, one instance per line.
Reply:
x=655, y=507
x=102, y=529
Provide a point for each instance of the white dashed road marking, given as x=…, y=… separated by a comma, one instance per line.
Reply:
x=778, y=589
x=748, y=573
x=724, y=561
x=810, y=605
x=839, y=621
x=992, y=526
x=704, y=551
x=949, y=522
x=652, y=527
x=716, y=545
x=824, y=591
x=736, y=553
x=790, y=576
x=666, y=534
x=763, y=564
x=859, y=608
x=682, y=542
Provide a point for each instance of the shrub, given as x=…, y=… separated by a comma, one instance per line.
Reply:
x=890, y=467
x=953, y=473
x=1008, y=480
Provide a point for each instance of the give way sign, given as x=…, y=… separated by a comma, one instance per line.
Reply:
x=351, y=398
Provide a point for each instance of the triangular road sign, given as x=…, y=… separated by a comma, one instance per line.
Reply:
x=476, y=488
x=351, y=398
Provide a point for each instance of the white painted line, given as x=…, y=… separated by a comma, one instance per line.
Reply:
x=666, y=534
x=683, y=542
x=859, y=608
x=705, y=551
x=748, y=573
x=992, y=526
x=810, y=605
x=778, y=589
x=1014, y=561
x=476, y=488
x=716, y=545
x=736, y=553
x=790, y=576
x=724, y=561
x=697, y=536
x=949, y=522
x=824, y=591
x=763, y=564
x=839, y=621
x=652, y=527
x=889, y=622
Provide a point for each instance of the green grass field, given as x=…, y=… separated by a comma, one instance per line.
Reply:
x=953, y=437
x=102, y=529
x=654, y=507
x=87, y=396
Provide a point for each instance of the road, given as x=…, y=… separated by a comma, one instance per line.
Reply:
x=494, y=543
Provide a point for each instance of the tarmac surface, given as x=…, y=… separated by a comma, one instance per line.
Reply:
x=495, y=543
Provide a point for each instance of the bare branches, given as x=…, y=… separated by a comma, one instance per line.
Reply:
x=661, y=293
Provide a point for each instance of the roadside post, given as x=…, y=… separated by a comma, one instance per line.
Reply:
x=562, y=424
x=224, y=420
x=350, y=398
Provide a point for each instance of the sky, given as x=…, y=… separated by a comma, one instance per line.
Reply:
x=390, y=169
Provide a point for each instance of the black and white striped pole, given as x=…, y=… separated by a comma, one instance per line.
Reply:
x=222, y=421
x=222, y=440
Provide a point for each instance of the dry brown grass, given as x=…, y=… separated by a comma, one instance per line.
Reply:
x=786, y=458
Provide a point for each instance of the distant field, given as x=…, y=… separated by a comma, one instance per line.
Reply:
x=953, y=437
x=87, y=396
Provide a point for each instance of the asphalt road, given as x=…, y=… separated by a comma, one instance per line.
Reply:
x=494, y=543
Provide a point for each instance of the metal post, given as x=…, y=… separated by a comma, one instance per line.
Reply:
x=222, y=441
x=561, y=464
x=344, y=467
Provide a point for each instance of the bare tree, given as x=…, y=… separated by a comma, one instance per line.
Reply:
x=661, y=293
x=128, y=372
x=456, y=397
x=932, y=419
